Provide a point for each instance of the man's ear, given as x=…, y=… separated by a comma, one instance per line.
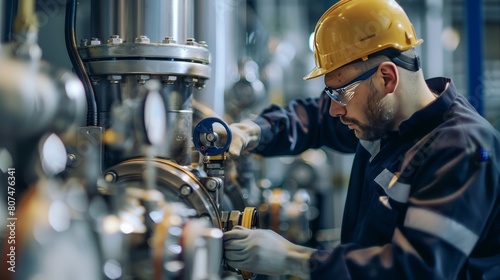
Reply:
x=390, y=75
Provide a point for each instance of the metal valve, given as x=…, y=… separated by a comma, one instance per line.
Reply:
x=206, y=138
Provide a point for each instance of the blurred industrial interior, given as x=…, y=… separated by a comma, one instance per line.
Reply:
x=107, y=111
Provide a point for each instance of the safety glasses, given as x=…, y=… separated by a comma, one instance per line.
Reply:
x=344, y=94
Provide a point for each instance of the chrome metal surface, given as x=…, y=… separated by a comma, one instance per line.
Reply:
x=132, y=18
x=171, y=179
x=194, y=54
x=148, y=67
x=34, y=99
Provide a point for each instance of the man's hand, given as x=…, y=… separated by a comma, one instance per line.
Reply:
x=265, y=252
x=246, y=136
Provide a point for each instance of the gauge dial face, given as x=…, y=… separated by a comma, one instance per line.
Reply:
x=155, y=118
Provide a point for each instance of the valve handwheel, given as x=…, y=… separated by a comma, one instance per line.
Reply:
x=205, y=138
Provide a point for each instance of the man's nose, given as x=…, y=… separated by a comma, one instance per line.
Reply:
x=336, y=110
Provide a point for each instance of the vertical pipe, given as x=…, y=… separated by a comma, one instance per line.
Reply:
x=117, y=17
x=474, y=27
x=155, y=19
x=25, y=18
x=179, y=19
x=180, y=116
x=217, y=24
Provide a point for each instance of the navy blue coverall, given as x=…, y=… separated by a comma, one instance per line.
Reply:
x=423, y=202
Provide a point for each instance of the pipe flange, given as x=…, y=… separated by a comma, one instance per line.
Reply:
x=172, y=180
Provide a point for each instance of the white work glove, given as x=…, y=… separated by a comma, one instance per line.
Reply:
x=264, y=251
x=245, y=137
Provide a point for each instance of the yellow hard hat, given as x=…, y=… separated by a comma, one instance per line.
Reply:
x=354, y=29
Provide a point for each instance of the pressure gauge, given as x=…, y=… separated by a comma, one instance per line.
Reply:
x=155, y=118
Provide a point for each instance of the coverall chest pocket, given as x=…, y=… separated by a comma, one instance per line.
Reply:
x=379, y=223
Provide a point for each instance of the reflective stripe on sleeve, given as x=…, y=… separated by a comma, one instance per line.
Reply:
x=443, y=227
x=394, y=189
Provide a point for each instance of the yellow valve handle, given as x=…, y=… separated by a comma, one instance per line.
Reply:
x=249, y=215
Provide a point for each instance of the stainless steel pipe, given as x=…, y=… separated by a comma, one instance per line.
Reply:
x=133, y=18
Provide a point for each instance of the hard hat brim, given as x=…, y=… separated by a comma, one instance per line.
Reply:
x=316, y=72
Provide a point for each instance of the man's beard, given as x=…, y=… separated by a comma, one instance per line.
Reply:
x=380, y=116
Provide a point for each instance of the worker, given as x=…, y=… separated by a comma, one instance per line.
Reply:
x=423, y=197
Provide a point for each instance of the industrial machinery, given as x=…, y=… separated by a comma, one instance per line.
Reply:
x=117, y=168
x=145, y=188
x=119, y=172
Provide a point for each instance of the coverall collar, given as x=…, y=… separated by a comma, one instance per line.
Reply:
x=428, y=118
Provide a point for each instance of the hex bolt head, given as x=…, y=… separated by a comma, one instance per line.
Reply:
x=169, y=40
x=115, y=39
x=200, y=84
x=169, y=80
x=211, y=184
x=114, y=79
x=110, y=176
x=71, y=160
x=141, y=79
x=190, y=81
x=186, y=190
x=95, y=42
x=142, y=39
x=205, y=159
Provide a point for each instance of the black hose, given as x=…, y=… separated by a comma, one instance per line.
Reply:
x=79, y=67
